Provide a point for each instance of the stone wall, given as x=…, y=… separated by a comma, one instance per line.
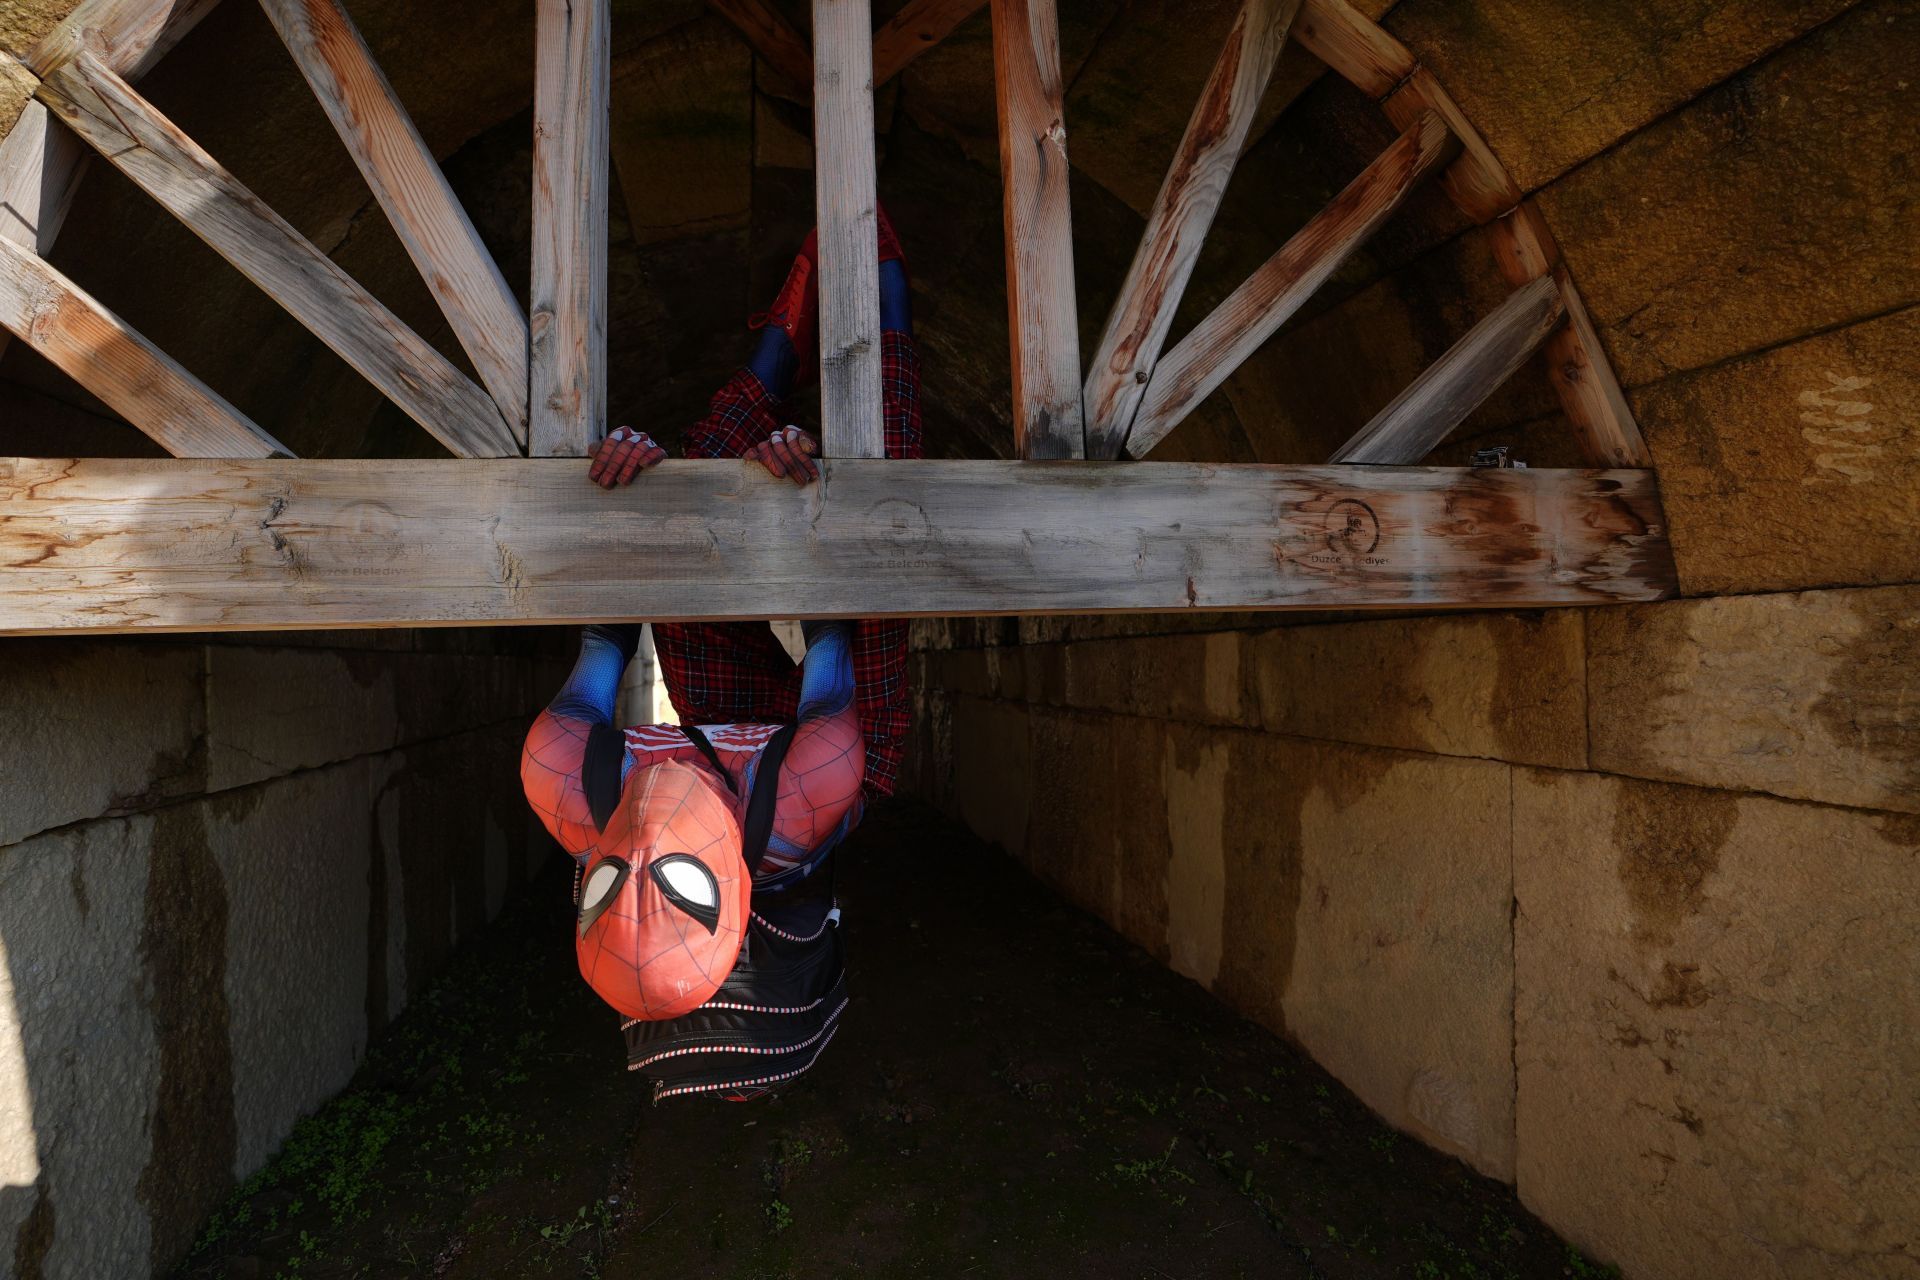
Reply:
x=1621, y=906
x=222, y=868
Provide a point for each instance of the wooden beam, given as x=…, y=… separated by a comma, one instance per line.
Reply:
x=1354, y=46
x=97, y=349
x=845, y=199
x=1042, y=315
x=920, y=25
x=125, y=545
x=1222, y=342
x=1477, y=182
x=568, y=303
x=126, y=35
x=1178, y=222
x=777, y=42
x=143, y=144
x=405, y=178
x=1455, y=385
x=1582, y=376
x=40, y=166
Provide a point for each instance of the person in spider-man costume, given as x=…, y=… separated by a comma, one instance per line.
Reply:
x=665, y=894
x=724, y=672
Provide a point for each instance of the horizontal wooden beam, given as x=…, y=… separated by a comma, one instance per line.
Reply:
x=86, y=96
x=126, y=545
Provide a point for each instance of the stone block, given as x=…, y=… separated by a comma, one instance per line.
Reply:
x=683, y=131
x=1195, y=678
x=294, y=859
x=1401, y=973
x=1770, y=207
x=80, y=1063
x=1717, y=1029
x=1592, y=73
x=992, y=771
x=1797, y=467
x=1809, y=695
x=1507, y=686
x=1097, y=829
x=24, y=22
x=95, y=728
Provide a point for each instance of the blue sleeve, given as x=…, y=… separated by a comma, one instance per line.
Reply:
x=826, y=674
x=590, y=692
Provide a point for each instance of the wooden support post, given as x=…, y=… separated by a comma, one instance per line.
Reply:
x=1354, y=46
x=123, y=545
x=136, y=379
x=920, y=25
x=1455, y=385
x=1222, y=342
x=1178, y=222
x=407, y=181
x=143, y=144
x=772, y=37
x=1041, y=312
x=844, y=191
x=1583, y=378
x=568, y=303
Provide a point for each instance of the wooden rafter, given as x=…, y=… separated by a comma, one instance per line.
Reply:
x=1178, y=222
x=920, y=25
x=1589, y=392
x=405, y=178
x=1042, y=316
x=128, y=35
x=777, y=41
x=567, y=308
x=846, y=201
x=115, y=545
x=1255, y=311
x=118, y=123
x=98, y=350
x=1458, y=382
x=1353, y=46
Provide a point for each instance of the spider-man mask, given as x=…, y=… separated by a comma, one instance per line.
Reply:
x=664, y=900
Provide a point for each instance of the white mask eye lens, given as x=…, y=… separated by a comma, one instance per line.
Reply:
x=599, y=885
x=598, y=893
x=689, y=886
x=690, y=880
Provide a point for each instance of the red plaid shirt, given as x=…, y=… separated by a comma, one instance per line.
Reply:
x=737, y=672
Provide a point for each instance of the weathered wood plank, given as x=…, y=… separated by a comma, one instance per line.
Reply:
x=776, y=40
x=124, y=545
x=1477, y=181
x=1354, y=46
x=845, y=199
x=40, y=166
x=1577, y=364
x=1454, y=385
x=98, y=350
x=1178, y=222
x=127, y=35
x=143, y=144
x=1255, y=311
x=920, y=25
x=405, y=178
x=1043, y=317
x=567, y=305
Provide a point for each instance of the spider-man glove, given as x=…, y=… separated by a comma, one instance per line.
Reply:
x=624, y=454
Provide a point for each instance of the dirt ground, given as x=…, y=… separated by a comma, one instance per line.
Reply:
x=1016, y=1092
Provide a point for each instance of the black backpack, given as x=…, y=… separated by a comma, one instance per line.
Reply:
x=781, y=1004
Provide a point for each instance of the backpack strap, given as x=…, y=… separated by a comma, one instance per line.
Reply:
x=600, y=772
x=758, y=827
x=699, y=739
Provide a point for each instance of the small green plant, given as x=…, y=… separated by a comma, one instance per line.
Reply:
x=779, y=1216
